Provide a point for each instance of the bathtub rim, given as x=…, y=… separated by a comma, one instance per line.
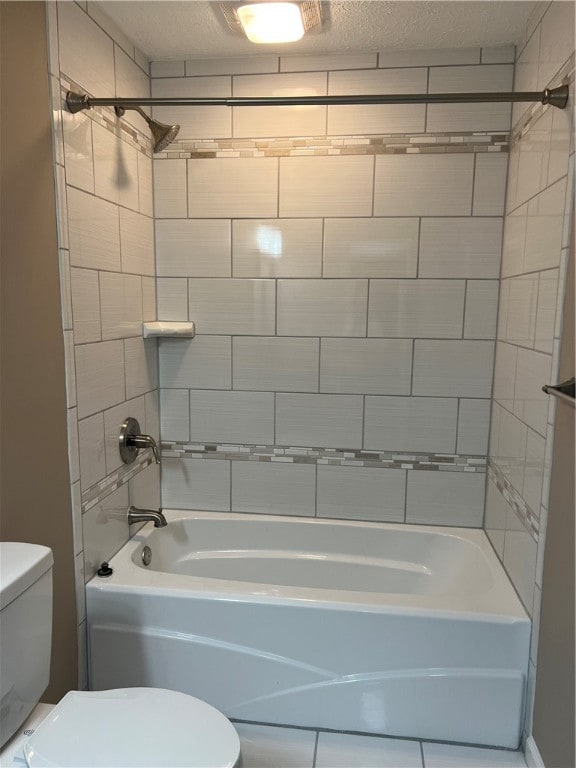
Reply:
x=500, y=603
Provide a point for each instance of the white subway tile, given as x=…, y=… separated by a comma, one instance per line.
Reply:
x=366, y=366
x=428, y=58
x=85, y=305
x=144, y=488
x=505, y=374
x=276, y=364
x=322, y=307
x=77, y=517
x=526, y=72
x=170, y=189
x=534, y=470
x=62, y=213
x=544, y=228
x=52, y=30
x=500, y=54
x=78, y=150
x=243, y=65
x=149, y=299
x=481, y=309
x=490, y=184
x=326, y=186
x=473, y=426
x=120, y=305
x=131, y=82
x=99, y=376
x=345, y=750
x=546, y=313
x=113, y=420
x=167, y=69
x=264, y=745
x=509, y=450
x=493, y=116
x=361, y=493
x=194, y=248
x=423, y=185
x=327, y=62
x=530, y=402
x=65, y=289
x=195, y=122
x=522, y=305
x=408, y=308
x=495, y=518
x=172, y=298
x=115, y=168
x=145, y=191
x=86, y=52
x=196, y=484
x=460, y=247
x=559, y=144
x=242, y=307
x=91, y=448
x=556, y=40
x=254, y=122
x=514, y=242
x=370, y=247
x=233, y=417
x=319, y=420
x=445, y=498
x=410, y=424
x=520, y=551
x=273, y=488
x=136, y=243
x=235, y=187
x=57, y=104
x=379, y=118
x=200, y=363
x=108, y=25
x=70, y=369
x=105, y=530
x=141, y=366
x=152, y=412
x=453, y=368
x=175, y=414
x=94, y=231
x=277, y=248
x=533, y=159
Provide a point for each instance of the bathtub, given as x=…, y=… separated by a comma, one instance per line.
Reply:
x=407, y=631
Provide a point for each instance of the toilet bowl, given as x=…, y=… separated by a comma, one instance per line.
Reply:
x=140, y=727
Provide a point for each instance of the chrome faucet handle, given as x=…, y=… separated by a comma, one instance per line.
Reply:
x=131, y=440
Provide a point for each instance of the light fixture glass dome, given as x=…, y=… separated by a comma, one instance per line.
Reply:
x=271, y=22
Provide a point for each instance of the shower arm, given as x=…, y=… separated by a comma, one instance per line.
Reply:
x=556, y=97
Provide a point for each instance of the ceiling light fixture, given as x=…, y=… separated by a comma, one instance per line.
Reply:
x=272, y=22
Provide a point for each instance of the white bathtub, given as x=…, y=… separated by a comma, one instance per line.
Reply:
x=379, y=628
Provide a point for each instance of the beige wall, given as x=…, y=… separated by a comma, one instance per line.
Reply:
x=35, y=490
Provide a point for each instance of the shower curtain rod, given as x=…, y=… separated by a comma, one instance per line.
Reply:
x=557, y=97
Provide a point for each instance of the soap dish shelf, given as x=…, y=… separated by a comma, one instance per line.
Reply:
x=170, y=330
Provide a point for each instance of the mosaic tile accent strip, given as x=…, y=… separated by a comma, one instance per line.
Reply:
x=107, y=118
x=94, y=495
x=443, y=462
x=528, y=517
x=385, y=144
x=565, y=76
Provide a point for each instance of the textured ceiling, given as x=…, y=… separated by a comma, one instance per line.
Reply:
x=170, y=29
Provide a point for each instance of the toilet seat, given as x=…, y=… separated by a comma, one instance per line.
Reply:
x=133, y=727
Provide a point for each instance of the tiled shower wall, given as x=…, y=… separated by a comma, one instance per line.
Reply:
x=106, y=236
x=341, y=265
x=539, y=212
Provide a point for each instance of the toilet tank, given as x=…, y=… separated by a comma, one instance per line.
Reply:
x=25, y=631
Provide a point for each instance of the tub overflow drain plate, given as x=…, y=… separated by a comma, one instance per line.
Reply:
x=146, y=555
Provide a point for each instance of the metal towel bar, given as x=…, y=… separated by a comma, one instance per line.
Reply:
x=564, y=391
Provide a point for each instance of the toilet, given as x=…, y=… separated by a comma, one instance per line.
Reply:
x=88, y=729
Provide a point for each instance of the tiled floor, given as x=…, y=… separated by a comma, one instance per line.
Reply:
x=270, y=747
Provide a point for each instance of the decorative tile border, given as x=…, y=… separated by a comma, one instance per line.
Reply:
x=97, y=492
x=302, y=146
x=332, y=456
x=535, y=112
x=106, y=117
x=528, y=517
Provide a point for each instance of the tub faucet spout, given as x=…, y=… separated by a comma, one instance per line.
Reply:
x=136, y=515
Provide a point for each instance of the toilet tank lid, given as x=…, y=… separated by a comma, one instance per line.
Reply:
x=20, y=566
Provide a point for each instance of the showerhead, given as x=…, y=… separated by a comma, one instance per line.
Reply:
x=162, y=135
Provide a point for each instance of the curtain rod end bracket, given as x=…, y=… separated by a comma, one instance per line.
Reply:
x=557, y=97
x=76, y=102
